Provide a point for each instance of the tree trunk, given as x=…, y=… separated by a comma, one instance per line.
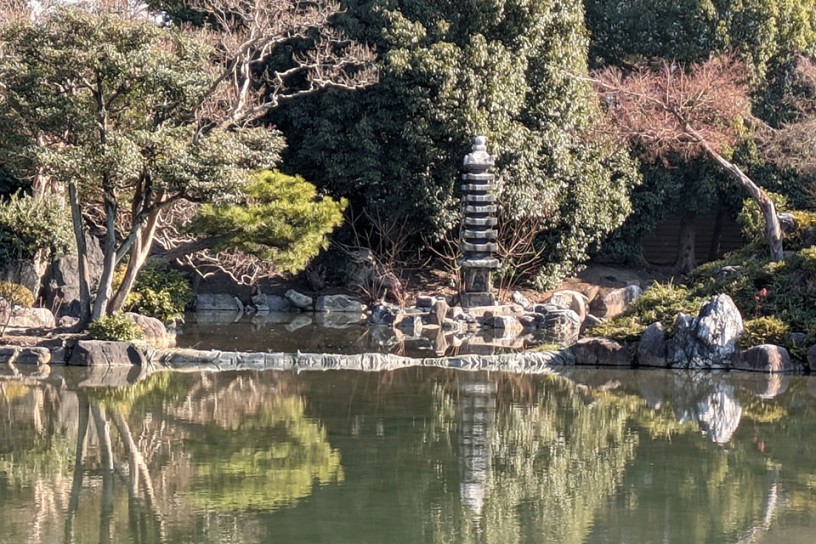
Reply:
x=716, y=236
x=773, y=232
x=105, y=288
x=76, y=485
x=139, y=251
x=82, y=257
x=686, y=257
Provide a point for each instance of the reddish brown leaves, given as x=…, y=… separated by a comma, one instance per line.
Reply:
x=673, y=109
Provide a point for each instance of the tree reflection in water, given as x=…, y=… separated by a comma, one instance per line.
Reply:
x=416, y=455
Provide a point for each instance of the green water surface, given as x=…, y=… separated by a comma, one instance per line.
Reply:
x=411, y=456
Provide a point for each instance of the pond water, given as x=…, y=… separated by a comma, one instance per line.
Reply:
x=334, y=333
x=418, y=455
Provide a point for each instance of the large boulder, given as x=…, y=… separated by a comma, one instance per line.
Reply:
x=384, y=314
x=104, y=353
x=25, y=355
x=600, y=352
x=764, y=358
x=569, y=300
x=61, y=282
x=506, y=326
x=708, y=341
x=216, y=302
x=339, y=304
x=560, y=327
x=439, y=311
x=32, y=318
x=22, y=271
x=651, y=350
x=154, y=330
x=614, y=302
x=299, y=300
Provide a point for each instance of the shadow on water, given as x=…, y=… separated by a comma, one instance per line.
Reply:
x=414, y=455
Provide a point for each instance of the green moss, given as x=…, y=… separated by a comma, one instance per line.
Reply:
x=764, y=330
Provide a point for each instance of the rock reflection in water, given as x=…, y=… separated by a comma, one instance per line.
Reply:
x=415, y=455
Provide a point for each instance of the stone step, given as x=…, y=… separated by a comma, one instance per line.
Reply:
x=480, y=221
x=489, y=247
x=471, y=197
x=478, y=187
x=483, y=177
x=489, y=234
x=481, y=209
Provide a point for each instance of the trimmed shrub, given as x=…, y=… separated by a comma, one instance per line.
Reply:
x=16, y=295
x=115, y=327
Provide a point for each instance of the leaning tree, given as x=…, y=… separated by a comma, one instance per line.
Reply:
x=689, y=111
x=133, y=115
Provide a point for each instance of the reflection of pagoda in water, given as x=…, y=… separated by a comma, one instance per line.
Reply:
x=476, y=414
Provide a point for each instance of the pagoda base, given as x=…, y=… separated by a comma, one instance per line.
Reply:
x=469, y=300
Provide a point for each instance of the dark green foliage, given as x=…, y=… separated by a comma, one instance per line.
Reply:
x=115, y=327
x=161, y=292
x=31, y=225
x=448, y=71
x=280, y=219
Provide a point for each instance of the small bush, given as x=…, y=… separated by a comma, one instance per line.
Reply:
x=115, y=327
x=161, y=292
x=623, y=328
x=764, y=330
x=16, y=295
x=29, y=225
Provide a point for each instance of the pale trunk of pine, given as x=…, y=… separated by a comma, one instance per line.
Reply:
x=103, y=292
x=139, y=252
x=82, y=256
x=773, y=231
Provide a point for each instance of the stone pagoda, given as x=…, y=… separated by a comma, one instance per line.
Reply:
x=478, y=233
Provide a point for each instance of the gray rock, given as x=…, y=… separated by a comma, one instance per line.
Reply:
x=425, y=301
x=600, y=352
x=25, y=355
x=32, y=318
x=589, y=322
x=277, y=303
x=787, y=222
x=529, y=321
x=67, y=321
x=727, y=271
x=298, y=322
x=340, y=304
x=299, y=300
x=154, y=330
x=61, y=282
x=798, y=338
x=811, y=357
x=384, y=314
x=544, y=309
x=411, y=324
x=560, y=327
x=651, y=350
x=215, y=302
x=719, y=413
x=614, y=302
x=439, y=311
x=506, y=325
x=23, y=272
x=569, y=300
x=764, y=358
x=239, y=304
x=520, y=299
x=103, y=353
x=339, y=320
x=710, y=339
